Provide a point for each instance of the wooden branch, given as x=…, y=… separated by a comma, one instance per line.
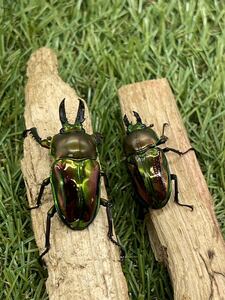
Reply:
x=81, y=264
x=189, y=243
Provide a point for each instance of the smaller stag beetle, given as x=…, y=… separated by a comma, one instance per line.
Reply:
x=148, y=164
x=75, y=176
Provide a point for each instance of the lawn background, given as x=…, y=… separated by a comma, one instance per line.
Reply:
x=102, y=45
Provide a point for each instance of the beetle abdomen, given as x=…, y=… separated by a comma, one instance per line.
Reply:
x=75, y=190
x=152, y=177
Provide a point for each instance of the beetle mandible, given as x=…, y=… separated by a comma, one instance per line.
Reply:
x=148, y=164
x=75, y=175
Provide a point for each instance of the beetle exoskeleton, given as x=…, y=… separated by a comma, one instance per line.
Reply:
x=148, y=164
x=75, y=175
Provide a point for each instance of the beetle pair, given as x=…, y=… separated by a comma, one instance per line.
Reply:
x=75, y=172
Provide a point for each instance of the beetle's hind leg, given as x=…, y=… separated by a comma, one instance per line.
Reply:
x=176, y=199
x=43, y=142
x=50, y=214
x=167, y=149
x=108, y=205
x=43, y=185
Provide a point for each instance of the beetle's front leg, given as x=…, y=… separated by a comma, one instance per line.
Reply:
x=43, y=185
x=43, y=142
x=108, y=205
x=163, y=129
x=50, y=214
x=176, y=199
x=167, y=149
x=163, y=138
x=98, y=137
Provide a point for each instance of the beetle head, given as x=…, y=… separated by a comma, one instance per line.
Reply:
x=133, y=127
x=78, y=124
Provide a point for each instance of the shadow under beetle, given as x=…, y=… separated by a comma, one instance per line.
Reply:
x=75, y=175
x=148, y=164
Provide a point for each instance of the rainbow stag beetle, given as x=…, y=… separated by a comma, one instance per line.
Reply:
x=148, y=164
x=75, y=175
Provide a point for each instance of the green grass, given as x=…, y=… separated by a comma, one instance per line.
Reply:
x=102, y=45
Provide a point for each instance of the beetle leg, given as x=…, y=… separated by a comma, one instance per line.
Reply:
x=167, y=149
x=163, y=138
x=43, y=185
x=176, y=199
x=163, y=129
x=108, y=206
x=50, y=214
x=98, y=137
x=33, y=131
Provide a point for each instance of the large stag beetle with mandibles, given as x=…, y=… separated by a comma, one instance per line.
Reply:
x=75, y=175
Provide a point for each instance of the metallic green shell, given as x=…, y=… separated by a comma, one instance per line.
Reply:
x=74, y=144
x=75, y=187
x=139, y=140
x=150, y=172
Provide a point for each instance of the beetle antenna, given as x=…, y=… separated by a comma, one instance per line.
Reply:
x=137, y=116
x=126, y=121
x=80, y=113
x=62, y=113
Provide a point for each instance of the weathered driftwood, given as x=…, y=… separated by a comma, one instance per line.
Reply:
x=81, y=264
x=189, y=243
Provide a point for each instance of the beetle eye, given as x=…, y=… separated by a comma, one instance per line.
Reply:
x=49, y=138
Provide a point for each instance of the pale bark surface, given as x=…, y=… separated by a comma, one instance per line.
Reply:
x=189, y=243
x=81, y=264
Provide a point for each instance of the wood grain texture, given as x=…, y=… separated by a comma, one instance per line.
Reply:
x=189, y=243
x=81, y=264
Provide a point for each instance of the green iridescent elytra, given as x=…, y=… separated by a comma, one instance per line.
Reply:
x=151, y=175
x=75, y=187
x=148, y=164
